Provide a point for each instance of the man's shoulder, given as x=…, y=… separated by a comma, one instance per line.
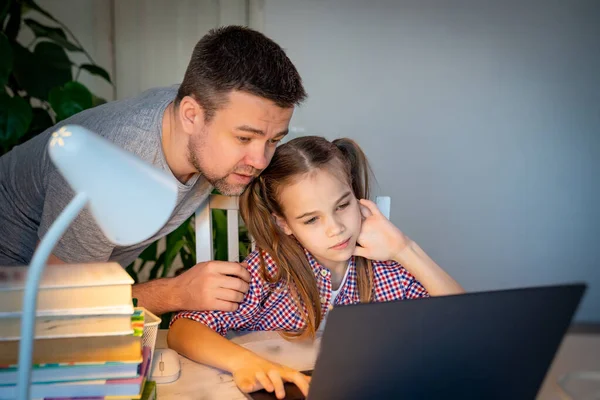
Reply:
x=140, y=111
x=133, y=124
x=154, y=98
x=156, y=95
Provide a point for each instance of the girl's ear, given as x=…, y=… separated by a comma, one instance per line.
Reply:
x=280, y=221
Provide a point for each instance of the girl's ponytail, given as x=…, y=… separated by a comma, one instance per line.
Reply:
x=360, y=171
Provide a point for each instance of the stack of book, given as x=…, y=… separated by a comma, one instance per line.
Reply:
x=88, y=336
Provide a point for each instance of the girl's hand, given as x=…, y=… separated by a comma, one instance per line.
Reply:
x=259, y=373
x=378, y=239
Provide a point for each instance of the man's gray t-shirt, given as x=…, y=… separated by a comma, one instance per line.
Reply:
x=33, y=193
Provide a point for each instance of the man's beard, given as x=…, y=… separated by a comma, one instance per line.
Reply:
x=220, y=183
x=226, y=188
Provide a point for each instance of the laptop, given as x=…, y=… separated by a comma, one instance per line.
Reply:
x=483, y=345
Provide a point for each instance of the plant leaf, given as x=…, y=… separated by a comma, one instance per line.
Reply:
x=131, y=271
x=186, y=259
x=96, y=101
x=177, y=235
x=149, y=253
x=243, y=250
x=157, y=266
x=57, y=35
x=70, y=99
x=13, y=25
x=175, y=242
x=170, y=255
x=191, y=239
x=6, y=62
x=41, y=121
x=96, y=70
x=31, y=5
x=15, y=117
x=220, y=234
x=38, y=72
x=52, y=55
x=4, y=11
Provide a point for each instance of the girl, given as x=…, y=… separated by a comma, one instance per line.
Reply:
x=316, y=247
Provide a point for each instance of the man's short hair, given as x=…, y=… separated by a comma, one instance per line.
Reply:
x=239, y=58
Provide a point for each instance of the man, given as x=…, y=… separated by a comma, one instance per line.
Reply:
x=219, y=129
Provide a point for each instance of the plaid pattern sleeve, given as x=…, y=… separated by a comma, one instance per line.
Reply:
x=393, y=282
x=241, y=319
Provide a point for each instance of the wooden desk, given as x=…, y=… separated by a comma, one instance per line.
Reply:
x=579, y=351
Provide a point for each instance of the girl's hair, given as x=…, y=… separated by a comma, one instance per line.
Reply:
x=293, y=161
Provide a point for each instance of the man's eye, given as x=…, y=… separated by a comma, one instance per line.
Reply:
x=244, y=139
x=275, y=141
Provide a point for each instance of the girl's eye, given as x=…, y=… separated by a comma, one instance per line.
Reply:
x=310, y=221
x=342, y=206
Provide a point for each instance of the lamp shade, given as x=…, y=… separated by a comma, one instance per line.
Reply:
x=129, y=198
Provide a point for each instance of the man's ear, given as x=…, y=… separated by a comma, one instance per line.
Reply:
x=280, y=221
x=191, y=115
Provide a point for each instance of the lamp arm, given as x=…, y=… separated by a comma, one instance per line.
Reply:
x=34, y=274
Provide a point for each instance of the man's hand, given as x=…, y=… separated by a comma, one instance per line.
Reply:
x=213, y=285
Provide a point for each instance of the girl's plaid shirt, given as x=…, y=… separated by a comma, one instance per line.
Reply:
x=271, y=307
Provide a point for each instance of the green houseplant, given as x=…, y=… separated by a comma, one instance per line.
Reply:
x=39, y=81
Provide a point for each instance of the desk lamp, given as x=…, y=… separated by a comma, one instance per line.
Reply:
x=129, y=199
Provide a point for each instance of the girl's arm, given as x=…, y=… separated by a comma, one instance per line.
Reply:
x=379, y=239
x=425, y=270
x=250, y=372
x=198, y=342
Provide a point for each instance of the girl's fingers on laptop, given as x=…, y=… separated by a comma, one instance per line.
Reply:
x=299, y=379
x=277, y=381
x=265, y=382
x=250, y=380
x=269, y=376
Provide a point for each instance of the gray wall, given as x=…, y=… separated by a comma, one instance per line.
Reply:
x=481, y=120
